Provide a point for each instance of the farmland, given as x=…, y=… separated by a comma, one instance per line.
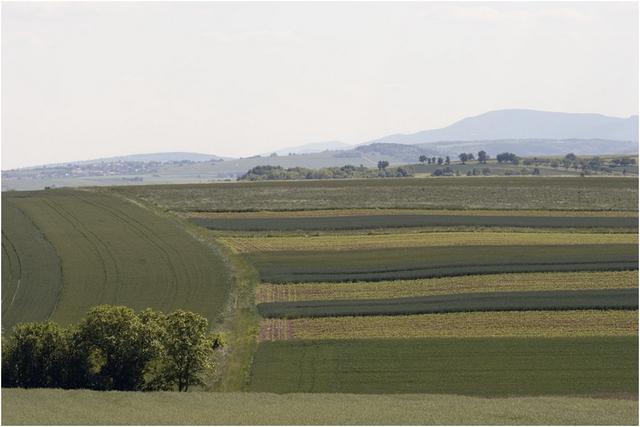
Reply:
x=270, y=292
x=358, y=296
x=534, y=193
x=569, y=323
x=395, y=221
x=110, y=251
x=346, y=242
x=482, y=287
x=410, y=263
x=471, y=366
x=603, y=299
x=24, y=248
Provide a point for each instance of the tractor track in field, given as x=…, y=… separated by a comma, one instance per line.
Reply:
x=77, y=226
x=156, y=241
x=11, y=269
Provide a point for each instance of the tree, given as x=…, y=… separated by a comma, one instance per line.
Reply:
x=189, y=346
x=482, y=156
x=507, y=157
x=463, y=157
x=382, y=164
x=118, y=346
x=447, y=161
x=35, y=355
x=440, y=161
x=423, y=158
x=470, y=156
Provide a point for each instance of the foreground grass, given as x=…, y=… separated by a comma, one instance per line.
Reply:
x=488, y=367
x=80, y=407
x=270, y=292
x=571, y=323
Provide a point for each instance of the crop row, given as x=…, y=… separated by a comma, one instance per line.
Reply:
x=270, y=292
x=470, y=324
x=532, y=193
x=316, y=213
x=471, y=366
x=343, y=242
x=424, y=262
x=399, y=221
x=603, y=299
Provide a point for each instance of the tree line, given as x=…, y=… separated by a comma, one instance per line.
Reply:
x=112, y=348
x=266, y=172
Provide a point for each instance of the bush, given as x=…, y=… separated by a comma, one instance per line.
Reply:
x=113, y=348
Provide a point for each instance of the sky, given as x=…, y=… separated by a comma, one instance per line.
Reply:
x=89, y=80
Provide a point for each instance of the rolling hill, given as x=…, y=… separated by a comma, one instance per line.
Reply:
x=526, y=124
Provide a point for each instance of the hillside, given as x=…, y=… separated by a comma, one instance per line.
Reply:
x=526, y=124
x=535, y=147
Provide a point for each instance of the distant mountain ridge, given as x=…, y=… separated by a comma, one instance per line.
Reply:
x=314, y=147
x=176, y=156
x=523, y=132
x=525, y=124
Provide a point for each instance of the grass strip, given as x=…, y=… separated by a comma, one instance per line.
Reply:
x=85, y=407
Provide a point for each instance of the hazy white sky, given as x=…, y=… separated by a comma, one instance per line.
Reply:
x=87, y=80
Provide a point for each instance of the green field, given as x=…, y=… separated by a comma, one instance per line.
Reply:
x=117, y=408
x=569, y=323
x=31, y=272
x=489, y=367
x=591, y=193
x=410, y=263
x=398, y=221
x=597, y=299
x=272, y=292
x=111, y=252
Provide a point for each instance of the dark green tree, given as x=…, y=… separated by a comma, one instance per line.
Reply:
x=188, y=346
x=482, y=156
x=118, y=346
x=36, y=355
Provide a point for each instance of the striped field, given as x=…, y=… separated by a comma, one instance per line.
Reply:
x=344, y=242
x=472, y=324
x=269, y=292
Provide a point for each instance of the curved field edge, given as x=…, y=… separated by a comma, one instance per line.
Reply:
x=478, y=366
x=31, y=270
x=270, y=292
x=239, y=320
x=344, y=242
x=82, y=407
x=533, y=193
x=114, y=252
x=570, y=323
x=597, y=299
